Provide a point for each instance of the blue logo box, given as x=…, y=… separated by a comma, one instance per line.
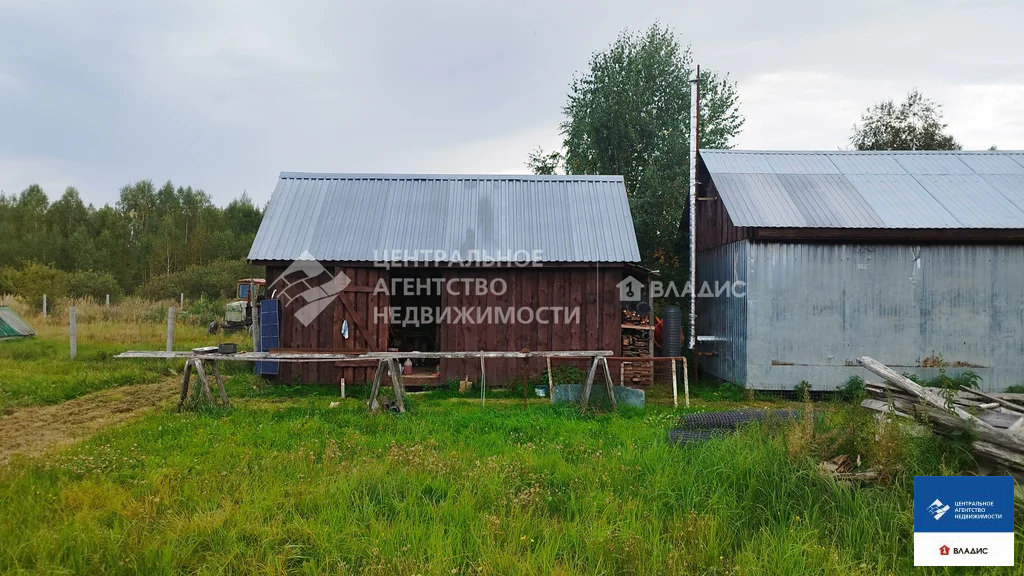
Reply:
x=963, y=504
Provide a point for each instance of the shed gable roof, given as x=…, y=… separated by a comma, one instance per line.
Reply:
x=371, y=217
x=875, y=190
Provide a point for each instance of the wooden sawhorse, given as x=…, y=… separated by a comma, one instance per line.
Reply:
x=203, y=382
x=391, y=365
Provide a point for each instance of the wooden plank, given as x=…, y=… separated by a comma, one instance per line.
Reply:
x=316, y=357
x=551, y=382
x=187, y=373
x=608, y=382
x=881, y=406
x=220, y=383
x=373, y=404
x=396, y=384
x=585, y=396
x=355, y=329
x=686, y=383
x=915, y=389
x=675, y=389
x=351, y=352
x=1004, y=403
x=575, y=301
x=201, y=373
x=943, y=418
x=1017, y=428
x=483, y=379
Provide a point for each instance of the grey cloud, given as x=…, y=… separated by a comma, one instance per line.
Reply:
x=223, y=96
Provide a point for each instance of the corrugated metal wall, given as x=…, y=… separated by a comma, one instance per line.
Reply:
x=724, y=317
x=812, y=309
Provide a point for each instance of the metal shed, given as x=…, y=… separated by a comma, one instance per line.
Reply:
x=552, y=242
x=12, y=326
x=913, y=258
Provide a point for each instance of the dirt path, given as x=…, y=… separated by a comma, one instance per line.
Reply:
x=35, y=429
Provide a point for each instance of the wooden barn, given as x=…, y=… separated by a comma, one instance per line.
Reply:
x=378, y=262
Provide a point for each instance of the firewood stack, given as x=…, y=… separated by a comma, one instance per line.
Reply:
x=635, y=343
x=995, y=420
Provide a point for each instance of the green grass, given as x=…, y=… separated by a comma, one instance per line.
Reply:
x=282, y=484
x=39, y=370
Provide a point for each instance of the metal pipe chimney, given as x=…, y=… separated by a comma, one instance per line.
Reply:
x=692, y=199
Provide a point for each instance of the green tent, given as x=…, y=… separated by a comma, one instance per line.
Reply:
x=12, y=326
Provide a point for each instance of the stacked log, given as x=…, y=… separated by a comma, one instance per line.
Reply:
x=636, y=332
x=994, y=421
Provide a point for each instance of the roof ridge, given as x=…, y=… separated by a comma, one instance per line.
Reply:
x=862, y=152
x=400, y=176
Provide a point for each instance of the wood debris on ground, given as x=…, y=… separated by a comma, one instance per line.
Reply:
x=995, y=422
x=843, y=468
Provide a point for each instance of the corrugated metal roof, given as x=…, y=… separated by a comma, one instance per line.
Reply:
x=11, y=325
x=468, y=218
x=920, y=189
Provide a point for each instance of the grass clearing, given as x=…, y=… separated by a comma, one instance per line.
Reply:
x=39, y=370
x=282, y=484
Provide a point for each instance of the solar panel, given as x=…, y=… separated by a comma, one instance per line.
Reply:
x=270, y=335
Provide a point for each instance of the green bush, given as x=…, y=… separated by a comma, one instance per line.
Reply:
x=91, y=284
x=214, y=280
x=852, y=391
x=563, y=375
x=203, y=311
x=33, y=280
x=803, y=389
x=5, y=281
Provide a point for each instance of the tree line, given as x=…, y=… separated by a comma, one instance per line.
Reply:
x=153, y=242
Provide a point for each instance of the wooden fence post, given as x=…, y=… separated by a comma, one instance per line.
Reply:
x=73, y=327
x=170, y=329
x=675, y=386
x=686, y=384
x=108, y=299
x=483, y=380
x=44, y=305
x=551, y=382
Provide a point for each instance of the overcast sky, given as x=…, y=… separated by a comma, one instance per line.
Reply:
x=225, y=95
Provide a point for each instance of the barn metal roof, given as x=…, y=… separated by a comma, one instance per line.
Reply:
x=465, y=218
x=911, y=190
x=11, y=325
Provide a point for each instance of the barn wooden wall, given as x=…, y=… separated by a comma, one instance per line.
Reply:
x=593, y=289
x=324, y=334
x=714, y=226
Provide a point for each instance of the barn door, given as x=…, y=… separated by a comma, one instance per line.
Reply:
x=360, y=320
